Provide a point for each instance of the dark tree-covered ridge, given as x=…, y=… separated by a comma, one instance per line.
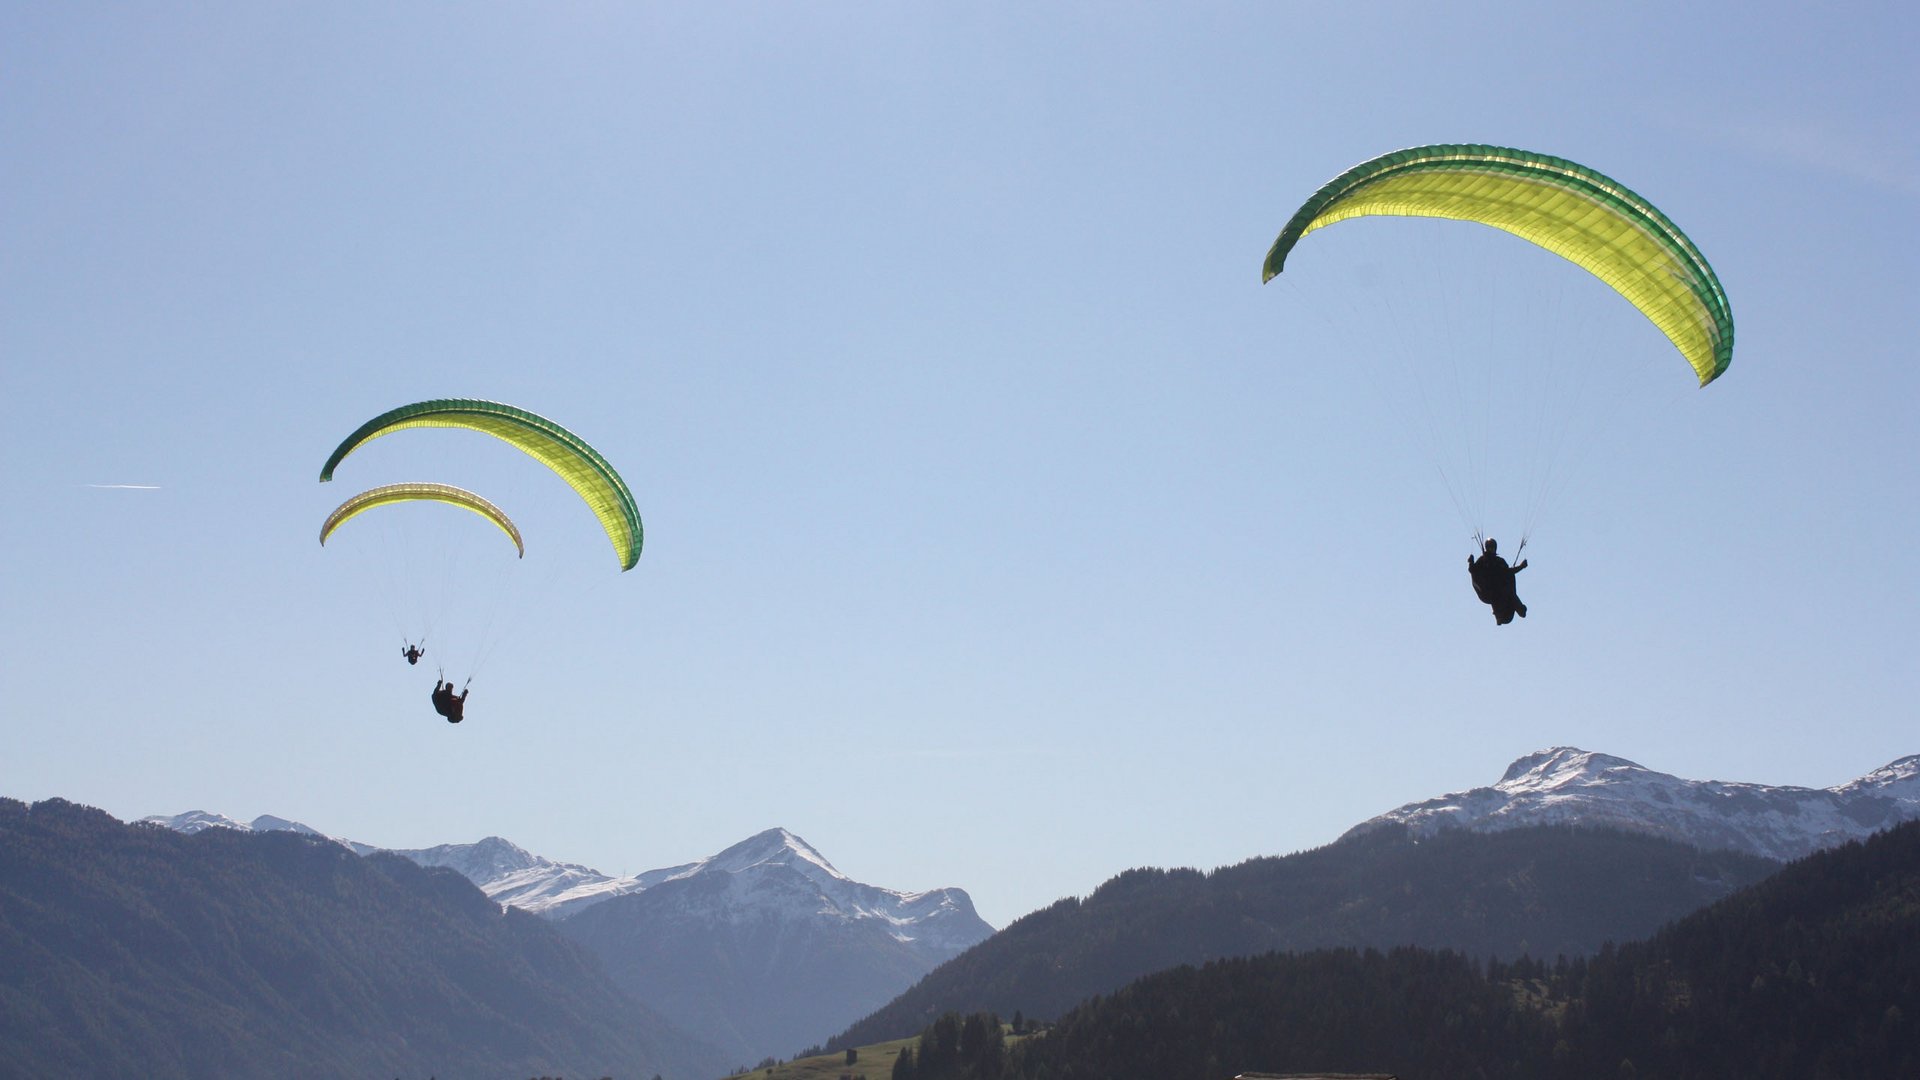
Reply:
x=1811, y=974
x=1542, y=891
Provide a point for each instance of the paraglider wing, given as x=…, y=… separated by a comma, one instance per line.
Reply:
x=541, y=439
x=396, y=493
x=1568, y=209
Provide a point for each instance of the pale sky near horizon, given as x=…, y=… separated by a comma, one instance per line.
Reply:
x=1002, y=529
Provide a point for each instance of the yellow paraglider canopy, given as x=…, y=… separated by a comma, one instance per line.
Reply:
x=398, y=493
x=1568, y=209
x=582, y=467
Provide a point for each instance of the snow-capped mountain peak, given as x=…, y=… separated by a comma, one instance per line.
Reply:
x=773, y=874
x=1569, y=786
x=776, y=876
x=510, y=874
x=774, y=847
x=1564, y=766
x=194, y=821
x=1895, y=780
x=269, y=823
x=485, y=859
x=769, y=920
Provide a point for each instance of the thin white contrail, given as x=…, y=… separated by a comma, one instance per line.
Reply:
x=126, y=487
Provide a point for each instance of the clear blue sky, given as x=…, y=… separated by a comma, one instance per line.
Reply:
x=1003, y=530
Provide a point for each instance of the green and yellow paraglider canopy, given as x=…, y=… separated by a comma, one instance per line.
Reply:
x=1568, y=209
x=418, y=492
x=551, y=445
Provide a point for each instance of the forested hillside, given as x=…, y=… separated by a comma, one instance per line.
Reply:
x=1811, y=974
x=1541, y=891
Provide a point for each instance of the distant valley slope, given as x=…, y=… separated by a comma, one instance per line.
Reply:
x=1565, y=785
x=129, y=950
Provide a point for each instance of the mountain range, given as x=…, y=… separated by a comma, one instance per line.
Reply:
x=1568, y=786
x=1572, y=849
x=764, y=947
x=759, y=950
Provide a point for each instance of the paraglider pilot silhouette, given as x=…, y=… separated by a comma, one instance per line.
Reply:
x=1493, y=583
x=413, y=653
x=447, y=703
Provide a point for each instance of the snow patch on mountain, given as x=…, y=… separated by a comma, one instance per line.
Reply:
x=1565, y=785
